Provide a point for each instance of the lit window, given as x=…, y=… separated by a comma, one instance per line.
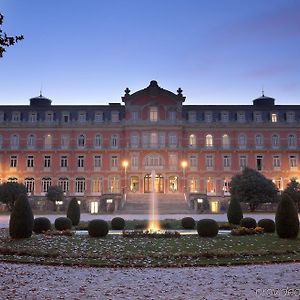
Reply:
x=209, y=141
x=97, y=185
x=193, y=185
x=278, y=183
x=114, y=184
x=192, y=141
x=153, y=114
x=225, y=141
x=48, y=141
x=226, y=184
x=210, y=185
x=274, y=118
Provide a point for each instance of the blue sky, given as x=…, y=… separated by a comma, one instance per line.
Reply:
x=218, y=52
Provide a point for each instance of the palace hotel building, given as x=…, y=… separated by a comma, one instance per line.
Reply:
x=90, y=150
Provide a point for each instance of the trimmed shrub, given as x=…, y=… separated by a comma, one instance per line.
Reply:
x=207, y=228
x=234, y=212
x=188, y=223
x=267, y=224
x=73, y=211
x=62, y=223
x=286, y=219
x=117, y=223
x=41, y=224
x=166, y=225
x=248, y=223
x=98, y=228
x=21, y=219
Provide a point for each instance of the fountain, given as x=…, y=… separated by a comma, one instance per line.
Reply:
x=153, y=225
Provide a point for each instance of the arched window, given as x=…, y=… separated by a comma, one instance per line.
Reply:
x=209, y=141
x=98, y=141
x=14, y=141
x=48, y=141
x=192, y=141
x=242, y=141
x=291, y=141
x=46, y=183
x=275, y=140
x=259, y=140
x=31, y=141
x=80, y=185
x=81, y=141
x=225, y=141
x=29, y=183
x=114, y=141
x=63, y=182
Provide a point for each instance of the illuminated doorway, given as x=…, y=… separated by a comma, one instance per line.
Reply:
x=158, y=183
x=134, y=184
x=173, y=184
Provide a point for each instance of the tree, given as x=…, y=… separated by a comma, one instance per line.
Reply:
x=252, y=187
x=5, y=40
x=286, y=218
x=234, y=212
x=21, y=219
x=73, y=211
x=9, y=193
x=55, y=193
x=293, y=190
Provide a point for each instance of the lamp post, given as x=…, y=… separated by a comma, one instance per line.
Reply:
x=184, y=165
x=125, y=165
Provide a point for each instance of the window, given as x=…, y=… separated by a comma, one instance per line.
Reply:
x=16, y=116
x=134, y=116
x=226, y=185
x=46, y=183
x=241, y=117
x=32, y=117
x=257, y=117
x=225, y=116
x=225, y=141
x=172, y=116
x=66, y=117
x=1, y=116
x=153, y=114
x=48, y=141
x=259, y=162
x=278, y=183
x=114, y=184
x=208, y=116
x=29, y=184
x=12, y=179
x=114, y=161
x=82, y=117
x=193, y=161
x=173, y=140
x=293, y=161
x=80, y=161
x=173, y=160
x=98, y=141
x=1, y=141
x=209, y=161
x=192, y=115
x=134, y=161
x=97, y=185
x=274, y=118
x=30, y=161
x=276, y=161
x=49, y=116
x=226, y=161
x=134, y=140
x=145, y=140
x=115, y=116
x=153, y=140
x=13, y=161
x=210, y=185
x=114, y=141
x=63, y=182
x=192, y=141
x=99, y=116
x=275, y=141
x=47, y=161
x=162, y=139
x=65, y=141
x=80, y=185
x=14, y=141
x=97, y=161
x=258, y=140
x=193, y=184
x=242, y=141
x=153, y=161
x=291, y=141
x=31, y=141
x=81, y=141
x=64, y=161
x=290, y=116
x=243, y=161
x=209, y=141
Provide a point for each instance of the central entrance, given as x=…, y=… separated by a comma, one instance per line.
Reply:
x=158, y=183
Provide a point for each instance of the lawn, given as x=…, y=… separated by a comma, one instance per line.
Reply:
x=117, y=251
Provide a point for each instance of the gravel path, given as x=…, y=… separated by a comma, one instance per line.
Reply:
x=19, y=281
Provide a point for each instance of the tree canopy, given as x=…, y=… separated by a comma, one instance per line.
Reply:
x=55, y=193
x=6, y=40
x=293, y=190
x=9, y=193
x=252, y=187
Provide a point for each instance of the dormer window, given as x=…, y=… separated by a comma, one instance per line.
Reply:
x=290, y=116
x=115, y=116
x=241, y=117
x=153, y=114
x=192, y=116
x=274, y=118
x=66, y=117
x=99, y=116
x=82, y=117
x=32, y=117
x=1, y=116
x=208, y=116
x=16, y=116
x=225, y=116
x=49, y=116
x=257, y=117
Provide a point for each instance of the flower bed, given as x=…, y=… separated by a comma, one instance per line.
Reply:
x=151, y=233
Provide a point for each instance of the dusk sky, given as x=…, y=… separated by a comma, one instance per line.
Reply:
x=88, y=52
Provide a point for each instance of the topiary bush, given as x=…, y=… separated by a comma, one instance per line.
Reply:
x=98, y=228
x=41, y=224
x=248, y=223
x=234, y=212
x=207, y=228
x=73, y=211
x=62, y=223
x=188, y=223
x=286, y=218
x=21, y=219
x=267, y=224
x=117, y=223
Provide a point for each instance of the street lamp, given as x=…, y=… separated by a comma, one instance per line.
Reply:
x=125, y=165
x=184, y=165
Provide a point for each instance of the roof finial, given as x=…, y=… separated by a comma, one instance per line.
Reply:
x=262, y=91
x=41, y=90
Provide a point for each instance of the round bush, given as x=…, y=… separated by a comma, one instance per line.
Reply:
x=62, y=223
x=117, y=223
x=98, y=228
x=73, y=211
x=248, y=223
x=207, y=228
x=188, y=223
x=267, y=224
x=41, y=225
